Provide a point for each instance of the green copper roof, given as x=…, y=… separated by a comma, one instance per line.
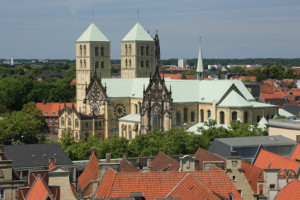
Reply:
x=233, y=99
x=200, y=63
x=137, y=33
x=92, y=34
x=131, y=118
x=262, y=123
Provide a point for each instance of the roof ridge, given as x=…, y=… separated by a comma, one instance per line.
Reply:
x=177, y=185
x=112, y=183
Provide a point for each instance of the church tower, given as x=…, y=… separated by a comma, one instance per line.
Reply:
x=137, y=53
x=200, y=71
x=92, y=57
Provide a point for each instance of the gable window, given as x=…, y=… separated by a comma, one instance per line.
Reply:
x=69, y=122
x=76, y=123
x=178, y=118
x=272, y=186
x=96, y=51
x=234, y=115
x=102, y=51
x=202, y=115
x=185, y=114
x=192, y=116
x=62, y=121
x=222, y=117
x=208, y=114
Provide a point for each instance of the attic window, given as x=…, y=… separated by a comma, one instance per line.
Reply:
x=272, y=186
x=233, y=178
x=53, y=113
x=46, y=113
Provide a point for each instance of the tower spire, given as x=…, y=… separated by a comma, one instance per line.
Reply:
x=92, y=16
x=138, y=15
x=200, y=70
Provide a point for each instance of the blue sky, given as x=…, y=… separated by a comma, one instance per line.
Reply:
x=229, y=28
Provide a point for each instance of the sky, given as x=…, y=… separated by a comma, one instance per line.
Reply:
x=48, y=29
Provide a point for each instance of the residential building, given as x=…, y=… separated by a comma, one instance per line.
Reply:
x=181, y=63
x=289, y=128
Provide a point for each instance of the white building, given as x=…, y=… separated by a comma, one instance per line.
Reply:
x=181, y=63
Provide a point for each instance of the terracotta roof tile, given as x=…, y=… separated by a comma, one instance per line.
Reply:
x=266, y=159
x=158, y=184
x=39, y=190
x=51, y=164
x=253, y=174
x=253, y=78
x=172, y=76
x=163, y=162
x=275, y=95
x=191, y=188
x=291, y=191
x=90, y=173
x=51, y=109
x=203, y=155
x=73, y=82
x=126, y=167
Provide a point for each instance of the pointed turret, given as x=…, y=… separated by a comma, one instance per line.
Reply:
x=137, y=33
x=157, y=50
x=92, y=34
x=200, y=70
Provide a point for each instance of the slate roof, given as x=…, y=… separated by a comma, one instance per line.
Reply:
x=269, y=160
x=285, y=113
x=90, y=173
x=137, y=33
x=158, y=184
x=36, y=155
x=202, y=155
x=290, y=191
x=92, y=34
x=163, y=162
x=191, y=188
x=296, y=153
x=293, y=109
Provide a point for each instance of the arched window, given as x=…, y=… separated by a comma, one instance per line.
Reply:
x=142, y=50
x=202, y=115
x=126, y=51
x=80, y=50
x=126, y=62
x=62, y=121
x=185, y=114
x=129, y=62
x=234, y=115
x=140, y=107
x=96, y=51
x=156, y=117
x=222, y=117
x=84, y=63
x=147, y=51
x=130, y=49
x=76, y=123
x=84, y=50
x=268, y=117
x=80, y=63
x=96, y=64
x=245, y=117
x=69, y=122
x=129, y=133
x=136, y=108
x=178, y=118
x=258, y=118
x=122, y=131
x=192, y=116
x=208, y=114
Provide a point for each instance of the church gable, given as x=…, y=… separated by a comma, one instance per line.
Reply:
x=232, y=88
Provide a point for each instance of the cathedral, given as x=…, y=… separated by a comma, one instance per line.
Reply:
x=141, y=100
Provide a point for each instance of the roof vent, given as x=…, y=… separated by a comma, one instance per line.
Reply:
x=274, y=139
x=33, y=156
x=269, y=165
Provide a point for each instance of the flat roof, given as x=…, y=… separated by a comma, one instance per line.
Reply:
x=285, y=123
x=257, y=140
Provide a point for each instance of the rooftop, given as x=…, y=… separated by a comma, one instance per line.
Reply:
x=131, y=118
x=92, y=34
x=137, y=33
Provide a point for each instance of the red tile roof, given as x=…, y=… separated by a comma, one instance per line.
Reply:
x=91, y=171
x=39, y=190
x=296, y=153
x=177, y=69
x=203, y=155
x=163, y=162
x=192, y=77
x=51, y=109
x=288, y=80
x=208, y=79
x=266, y=159
x=171, y=76
x=252, y=78
x=291, y=191
x=191, y=188
x=73, y=82
x=253, y=174
x=126, y=167
x=158, y=184
x=51, y=164
x=275, y=95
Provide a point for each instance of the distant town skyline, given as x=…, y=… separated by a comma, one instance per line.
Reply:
x=36, y=29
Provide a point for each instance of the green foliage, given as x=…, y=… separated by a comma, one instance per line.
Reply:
x=23, y=126
x=280, y=117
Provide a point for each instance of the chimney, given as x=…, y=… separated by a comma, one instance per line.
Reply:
x=108, y=157
x=124, y=156
x=297, y=139
x=140, y=161
x=52, y=159
x=149, y=164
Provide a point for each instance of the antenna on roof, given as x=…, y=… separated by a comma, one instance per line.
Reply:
x=92, y=16
x=138, y=15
